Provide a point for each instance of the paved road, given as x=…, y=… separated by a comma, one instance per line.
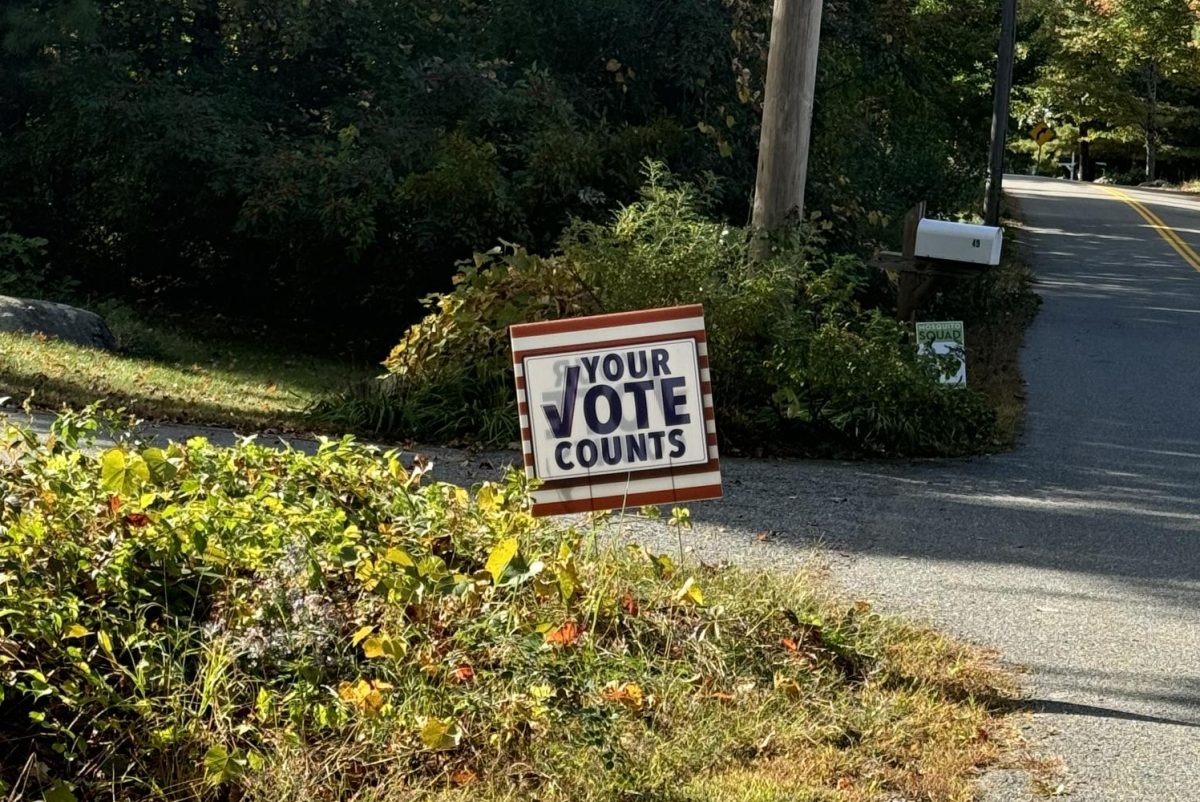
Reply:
x=1077, y=555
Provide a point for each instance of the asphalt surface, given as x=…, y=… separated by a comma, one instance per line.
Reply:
x=1078, y=554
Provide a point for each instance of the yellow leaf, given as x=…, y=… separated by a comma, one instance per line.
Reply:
x=399, y=557
x=75, y=631
x=787, y=685
x=373, y=702
x=105, y=641
x=373, y=648
x=502, y=554
x=487, y=499
x=353, y=692
x=629, y=694
x=358, y=636
x=690, y=592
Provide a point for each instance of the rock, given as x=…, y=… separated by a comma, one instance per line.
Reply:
x=1157, y=183
x=59, y=321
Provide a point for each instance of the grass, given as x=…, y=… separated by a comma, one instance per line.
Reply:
x=165, y=374
x=247, y=623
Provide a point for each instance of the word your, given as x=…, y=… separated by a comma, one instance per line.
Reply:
x=617, y=409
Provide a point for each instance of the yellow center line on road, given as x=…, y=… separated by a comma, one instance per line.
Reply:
x=1165, y=231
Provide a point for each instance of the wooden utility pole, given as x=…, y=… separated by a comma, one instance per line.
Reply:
x=787, y=114
x=1004, y=71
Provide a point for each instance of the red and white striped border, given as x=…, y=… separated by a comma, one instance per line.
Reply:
x=637, y=488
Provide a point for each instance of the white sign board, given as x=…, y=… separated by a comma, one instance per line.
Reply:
x=945, y=338
x=616, y=410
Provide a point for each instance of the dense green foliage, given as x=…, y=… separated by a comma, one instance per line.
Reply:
x=323, y=164
x=193, y=622
x=797, y=361
x=1122, y=74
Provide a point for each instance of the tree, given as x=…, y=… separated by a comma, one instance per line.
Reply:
x=1113, y=60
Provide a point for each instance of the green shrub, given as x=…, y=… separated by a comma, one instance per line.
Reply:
x=22, y=264
x=797, y=362
x=195, y=622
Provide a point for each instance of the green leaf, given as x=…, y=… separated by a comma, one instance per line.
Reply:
x=441, y=734
x=59, y=792
x=502, y=554
x=221, y=766
x=664, y=566
x=123, y=474
x=161, y=469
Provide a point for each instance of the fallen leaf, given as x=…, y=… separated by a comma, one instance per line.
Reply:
x=629, y=694
x=366, y=696
x=630, y=605
x=464, y=673
x=789, y=686
x=565, y=635
x=463, y=777
x=137, y=519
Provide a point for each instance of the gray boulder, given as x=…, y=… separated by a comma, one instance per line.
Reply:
x=59, y=321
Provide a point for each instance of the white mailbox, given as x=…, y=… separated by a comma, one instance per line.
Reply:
x=959, y=242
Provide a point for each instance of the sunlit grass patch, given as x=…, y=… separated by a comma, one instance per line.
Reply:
x=165, y=374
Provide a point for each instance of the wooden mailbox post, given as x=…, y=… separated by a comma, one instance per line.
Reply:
x=927, y=256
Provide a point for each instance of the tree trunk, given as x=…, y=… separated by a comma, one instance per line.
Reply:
x=1152, y=122
x=1087, y=169
x=787, y=116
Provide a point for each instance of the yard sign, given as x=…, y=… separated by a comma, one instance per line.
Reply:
x=616, y=410
x=945, y=337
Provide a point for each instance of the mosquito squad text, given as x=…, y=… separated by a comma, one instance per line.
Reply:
x=596, y=411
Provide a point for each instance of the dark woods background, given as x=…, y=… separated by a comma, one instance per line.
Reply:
x=313, y=168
